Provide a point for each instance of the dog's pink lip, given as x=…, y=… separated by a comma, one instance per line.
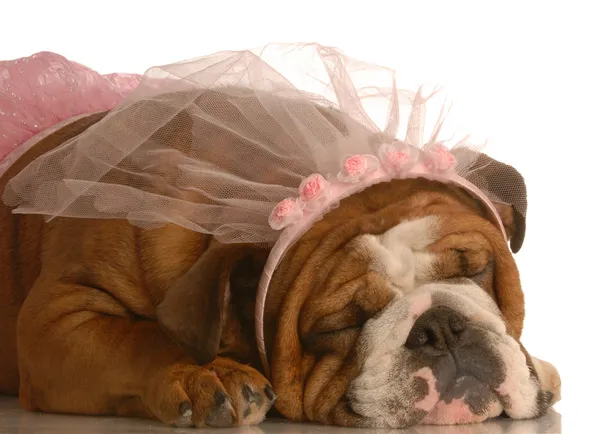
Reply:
x=457, y=411
x=430, y=400
x=438, y=411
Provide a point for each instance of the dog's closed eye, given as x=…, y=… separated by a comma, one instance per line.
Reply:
x=469, y=262
x=462, y=255
x=461, y=262
x=465, y=256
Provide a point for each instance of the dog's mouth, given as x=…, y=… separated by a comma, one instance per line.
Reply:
x=460, y=399
x=464, y=399
x=467, y=380
x=467, y=400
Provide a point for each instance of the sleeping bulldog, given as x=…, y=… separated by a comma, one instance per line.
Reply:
x=401, y=306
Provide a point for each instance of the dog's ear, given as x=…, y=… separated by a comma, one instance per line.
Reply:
x=192, y=311
x=514, y=225
x=508, y=190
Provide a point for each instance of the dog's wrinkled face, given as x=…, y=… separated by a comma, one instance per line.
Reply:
x=416, y=324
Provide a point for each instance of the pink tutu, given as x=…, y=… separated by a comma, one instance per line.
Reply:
x=39, y=92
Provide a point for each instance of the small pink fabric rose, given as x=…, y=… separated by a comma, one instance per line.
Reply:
x=397, y=158
x=356, y=167
x=313, y=191
x=439, y=159
x=285, y=213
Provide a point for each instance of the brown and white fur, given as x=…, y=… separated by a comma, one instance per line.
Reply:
x=401, y=306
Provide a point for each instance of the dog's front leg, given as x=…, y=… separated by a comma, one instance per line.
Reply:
x=81, y=352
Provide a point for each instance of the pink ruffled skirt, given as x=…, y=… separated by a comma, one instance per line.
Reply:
x=42, y=91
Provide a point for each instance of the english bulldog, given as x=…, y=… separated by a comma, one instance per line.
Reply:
x=401, y=306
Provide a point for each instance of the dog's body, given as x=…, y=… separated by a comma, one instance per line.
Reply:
x=101, y=317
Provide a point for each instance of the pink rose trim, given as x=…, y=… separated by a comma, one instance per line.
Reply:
x=356, y=167
x=313, y=191
x=397, y=159
x=285, y=213
x=439, y=159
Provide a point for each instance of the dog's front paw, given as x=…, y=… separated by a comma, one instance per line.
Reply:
x=251, y=394
x=222, y=394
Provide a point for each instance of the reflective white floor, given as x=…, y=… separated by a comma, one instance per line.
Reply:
x=13, y=420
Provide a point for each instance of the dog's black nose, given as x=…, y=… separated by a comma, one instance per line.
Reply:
x=439, y=328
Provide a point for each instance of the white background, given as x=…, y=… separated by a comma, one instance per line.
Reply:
x=524, y=75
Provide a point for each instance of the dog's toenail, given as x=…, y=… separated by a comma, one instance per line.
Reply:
x=249, y=395
x=269, y=393
x=185, y=409
x=220, y=398
x=222, y=414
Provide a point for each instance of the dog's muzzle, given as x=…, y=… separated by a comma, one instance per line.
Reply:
x=441, y=354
